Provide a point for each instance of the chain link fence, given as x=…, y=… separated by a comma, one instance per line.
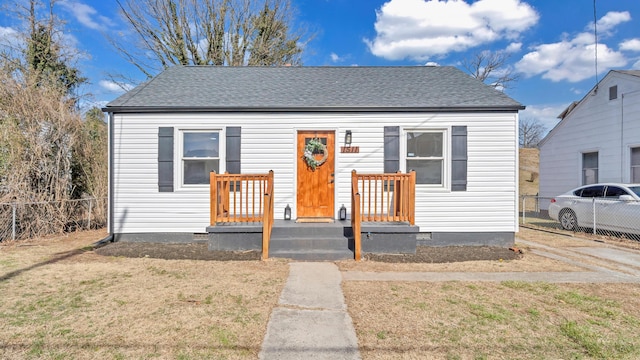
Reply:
x=24, y=220
x=598, y=217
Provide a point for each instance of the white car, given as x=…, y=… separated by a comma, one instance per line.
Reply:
x=611, y=206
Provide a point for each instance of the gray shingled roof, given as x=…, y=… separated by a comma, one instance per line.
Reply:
x=210, y=88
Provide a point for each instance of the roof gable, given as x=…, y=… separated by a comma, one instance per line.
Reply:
x=567, y=114
x=211, y=88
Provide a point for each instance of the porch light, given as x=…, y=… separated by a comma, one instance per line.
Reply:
x=343, y=213
x=287, y=212
x=347, y=138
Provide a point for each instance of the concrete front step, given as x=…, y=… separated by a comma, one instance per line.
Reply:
x=310, y=241
x=318, y=249
x=313, y=255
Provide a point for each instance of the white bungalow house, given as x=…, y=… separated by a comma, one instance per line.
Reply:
x=459, y=135
x=597, y=138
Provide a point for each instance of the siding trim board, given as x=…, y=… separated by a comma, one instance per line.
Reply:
x=326, y=109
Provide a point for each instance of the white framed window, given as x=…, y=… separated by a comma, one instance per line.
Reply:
x=427, y=153
x=589, y=168
x=199, y=152
x=635, y=165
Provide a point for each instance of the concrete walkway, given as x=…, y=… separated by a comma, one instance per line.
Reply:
x=623, y=266
x=311, y=320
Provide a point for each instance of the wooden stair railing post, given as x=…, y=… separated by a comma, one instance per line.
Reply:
x=267, y=216
x=412, y=197
x=213, y=198
x=357, y=233
x=355, y=217
x=266, y=229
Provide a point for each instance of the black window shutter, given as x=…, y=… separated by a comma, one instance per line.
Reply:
x=391, y=149
x=233, y=149
x=165, y=159
x=458, y=158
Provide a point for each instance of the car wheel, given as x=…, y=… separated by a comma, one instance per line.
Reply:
x=568, y=219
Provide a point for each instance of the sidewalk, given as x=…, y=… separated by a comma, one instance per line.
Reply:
x=311, y=320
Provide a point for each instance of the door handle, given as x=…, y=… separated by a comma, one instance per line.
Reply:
x=332, y=181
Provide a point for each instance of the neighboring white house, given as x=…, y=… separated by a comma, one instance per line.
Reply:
x=460, y=135
x=597, y=138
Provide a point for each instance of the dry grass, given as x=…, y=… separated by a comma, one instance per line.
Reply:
x=509, y=320
x=61, y=302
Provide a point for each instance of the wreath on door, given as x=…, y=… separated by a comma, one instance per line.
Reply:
x=315, y=146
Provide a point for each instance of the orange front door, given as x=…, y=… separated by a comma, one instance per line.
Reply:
x=316, y=186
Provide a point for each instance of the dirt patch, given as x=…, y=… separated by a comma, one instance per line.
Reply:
x=191, y=251
x=197, y=251
x=446, y=254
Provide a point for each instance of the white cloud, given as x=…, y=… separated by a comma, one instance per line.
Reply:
x=335, y=58
x=630, y=45
x=547, y=114
x=431, y=63
x=115, y=87
x=514, y=47
x=86, y=15
x=420, y=29
x=572, y=59
x=612, y=19
x=7, y=32
x=9, y=37
x=576, y=91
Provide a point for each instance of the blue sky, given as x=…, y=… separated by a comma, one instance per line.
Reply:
x=551, y=41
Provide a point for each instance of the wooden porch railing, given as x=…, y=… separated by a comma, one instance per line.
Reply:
x=243, y=198
x=381, y=198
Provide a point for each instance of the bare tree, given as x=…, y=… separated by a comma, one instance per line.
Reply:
x=531, y=131
x=47, y=153
x=491, y=68
x=208, y=32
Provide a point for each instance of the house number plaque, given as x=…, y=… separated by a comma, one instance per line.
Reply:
x=350, y=149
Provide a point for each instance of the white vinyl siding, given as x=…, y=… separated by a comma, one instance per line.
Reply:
x=596, y=124
x=269, y=143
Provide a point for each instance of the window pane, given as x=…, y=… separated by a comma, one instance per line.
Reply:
x=424, y=144
x=589, y=176
x=589, y=168
x=614, y=192
x=635, y=175
x=593, y=191
x=427, y=171
x=201, y=144
x=635, y=156
x=590, y=160
x=197, y=171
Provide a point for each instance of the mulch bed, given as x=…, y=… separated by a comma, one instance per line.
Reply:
x=200, y=251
